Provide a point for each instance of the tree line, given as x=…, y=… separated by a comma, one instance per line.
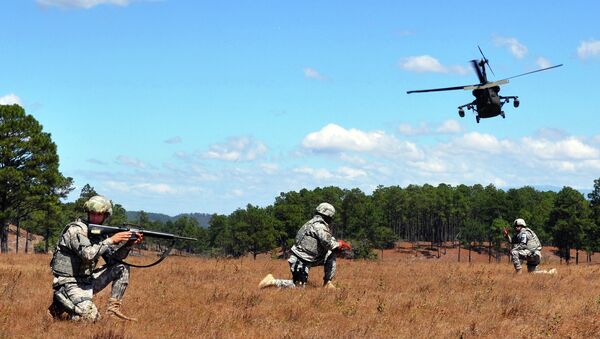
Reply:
x=32, y=189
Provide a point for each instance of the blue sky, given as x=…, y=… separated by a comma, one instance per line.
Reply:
x=179, y=106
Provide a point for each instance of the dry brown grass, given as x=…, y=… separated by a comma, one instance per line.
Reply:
x=402, y=296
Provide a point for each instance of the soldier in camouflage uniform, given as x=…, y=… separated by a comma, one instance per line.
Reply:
x=525, y=246
x=76, y=278
x=314, y=246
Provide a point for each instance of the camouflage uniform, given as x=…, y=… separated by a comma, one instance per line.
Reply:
x=314, y=247
x=76, y=278
x=526, y=246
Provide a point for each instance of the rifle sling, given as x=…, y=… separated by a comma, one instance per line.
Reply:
x=162, y=257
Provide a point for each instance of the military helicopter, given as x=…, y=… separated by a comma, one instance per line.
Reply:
x=487, y=103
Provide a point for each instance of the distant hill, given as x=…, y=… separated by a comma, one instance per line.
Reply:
x=202, y=218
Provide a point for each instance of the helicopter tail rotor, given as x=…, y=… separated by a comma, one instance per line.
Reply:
x=486, y=61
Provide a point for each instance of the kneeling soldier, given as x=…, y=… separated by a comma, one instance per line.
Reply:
x=525, y=246
x=314, y=246
x=76, y=278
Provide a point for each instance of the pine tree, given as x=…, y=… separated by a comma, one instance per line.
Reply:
x=29, y=177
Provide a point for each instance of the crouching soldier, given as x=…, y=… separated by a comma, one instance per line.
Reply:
x=525, y=246
x=314, y=246
x=73, y=264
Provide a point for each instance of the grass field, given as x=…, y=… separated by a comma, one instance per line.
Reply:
x=401, y=296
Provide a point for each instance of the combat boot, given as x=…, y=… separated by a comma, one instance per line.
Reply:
x=267, y=281
x=114, y=310
x=329, y=286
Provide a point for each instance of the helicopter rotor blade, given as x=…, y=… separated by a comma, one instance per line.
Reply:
x=440, y=89
x=487, y=85
x=537, y=70
x=475, y=65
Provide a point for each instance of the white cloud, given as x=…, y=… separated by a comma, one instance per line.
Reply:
x=427, y=63
x=408, y=129
x=450, y=127
x=312, y=73
x=543, y=62
x=269, y=168
x=198, y=173
x=588, y=49
x=83, y=3
x=333, y=138
x=336, y=138
x=351, y=173
x=480, y=142
x=353, y=159
x=317, y=173
x=341, y=173
x=422, y=63
x=514, y=46
x=159, y=188
x=173, y=140
x=130, y=162
x=156, y=188
x=237, y=149
x=593, y=164
x=565, y=166
x=237, y=192
x=10, y=99
x=566, y=149
x=431, y=165
x=363, y=159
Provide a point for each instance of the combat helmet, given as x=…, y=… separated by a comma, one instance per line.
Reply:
x=326, y=209
x=98, y=204
x=519, y=222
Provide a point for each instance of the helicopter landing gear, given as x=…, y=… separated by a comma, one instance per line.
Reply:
x=477, y=118
x=502, y=115
x=516, y=103
x=461, y=113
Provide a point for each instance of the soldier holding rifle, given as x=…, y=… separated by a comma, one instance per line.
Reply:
x=76, y=278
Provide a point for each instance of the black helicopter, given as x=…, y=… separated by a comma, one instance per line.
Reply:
x=487, y=103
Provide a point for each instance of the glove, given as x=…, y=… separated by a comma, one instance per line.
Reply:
x=342, y=245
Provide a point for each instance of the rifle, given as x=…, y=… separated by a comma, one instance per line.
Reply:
x=95, y=229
